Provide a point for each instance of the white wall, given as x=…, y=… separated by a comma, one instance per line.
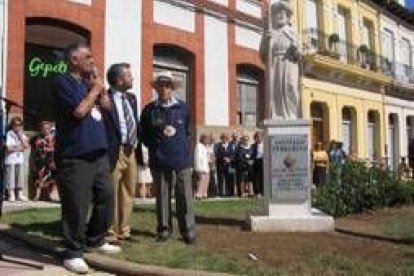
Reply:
x=402, y=108
x=250, y=7
x=216, y=72
x=177, y=14
x=248, y=37
x=123, y=36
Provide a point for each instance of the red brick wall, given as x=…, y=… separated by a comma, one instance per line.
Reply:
x=91, y=18
x=154, y=34
x=194, y=42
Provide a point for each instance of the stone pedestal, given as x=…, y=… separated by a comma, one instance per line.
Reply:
x=287, y=181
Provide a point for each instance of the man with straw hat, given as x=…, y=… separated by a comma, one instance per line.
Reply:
x=165, y=125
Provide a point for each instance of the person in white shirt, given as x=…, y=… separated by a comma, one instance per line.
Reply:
x=202, y=167
x=16, y=144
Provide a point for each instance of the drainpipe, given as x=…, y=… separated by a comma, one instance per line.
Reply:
x=4, y=37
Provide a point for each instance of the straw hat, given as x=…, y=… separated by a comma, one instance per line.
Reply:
x=165, y=76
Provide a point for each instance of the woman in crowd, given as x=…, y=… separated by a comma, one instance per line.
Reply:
x=144, y=173
x=202, y=167
x=212, y=149
x=16, y=145
x=224, y=157
x=320, y=164
x=45, y=169
x=257, y=172
x=244, y=164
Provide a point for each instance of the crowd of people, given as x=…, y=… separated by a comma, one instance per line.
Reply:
x=335, y=155
x=99, y=147
x=230, y=167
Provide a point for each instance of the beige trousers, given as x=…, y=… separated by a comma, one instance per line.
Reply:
x=203, y=180
x=124, y=177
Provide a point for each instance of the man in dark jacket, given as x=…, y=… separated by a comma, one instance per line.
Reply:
x=81, y=158
x=165, y=126
x=122, y=126
x=224, y=157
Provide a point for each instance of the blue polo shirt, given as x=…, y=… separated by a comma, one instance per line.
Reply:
x=76, y=137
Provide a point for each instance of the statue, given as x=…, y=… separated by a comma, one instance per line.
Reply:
x=280, y=51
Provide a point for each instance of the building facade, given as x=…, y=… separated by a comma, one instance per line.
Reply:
x=357, y=72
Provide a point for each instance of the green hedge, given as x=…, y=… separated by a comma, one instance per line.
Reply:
x=353, y=188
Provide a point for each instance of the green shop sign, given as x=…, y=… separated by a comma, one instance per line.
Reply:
x=39, y=68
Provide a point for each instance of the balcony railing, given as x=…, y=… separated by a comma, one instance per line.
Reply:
x=404, y=73
x=331, y=45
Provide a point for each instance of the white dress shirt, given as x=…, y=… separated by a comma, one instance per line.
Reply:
x=120, y=110
x=12, y=140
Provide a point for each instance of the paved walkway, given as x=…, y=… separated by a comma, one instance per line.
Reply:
x=17, y=250
x=20, y=259
x=45, y=263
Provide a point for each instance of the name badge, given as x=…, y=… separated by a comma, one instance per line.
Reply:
x=96, y=114
x=169, y=131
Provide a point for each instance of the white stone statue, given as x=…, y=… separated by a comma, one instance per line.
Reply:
x=280, y=51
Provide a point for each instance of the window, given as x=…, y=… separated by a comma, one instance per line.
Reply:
x=388, y=51
x=373, y=119
x=343, y=18
x=320, y=123
x=45, y=40
x=349, y=130
x=178, y=61
x=410, y=128
x=406, y=61
x=247, y=102
x=366, y=33
x=249, y=83
x=312, y=23
x=393, y=143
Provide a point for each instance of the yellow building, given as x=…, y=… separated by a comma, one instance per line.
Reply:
x=349, y=78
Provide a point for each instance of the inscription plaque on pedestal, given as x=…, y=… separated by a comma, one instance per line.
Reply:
x=289, y=168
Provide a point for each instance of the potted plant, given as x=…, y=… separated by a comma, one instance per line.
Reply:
x=333, y=40
x=363, y=52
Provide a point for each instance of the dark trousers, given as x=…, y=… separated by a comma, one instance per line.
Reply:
x=258, y=177
x=163, y=184
x=85, y=192
x=225, y=181
x=212, y=185
x=319, y=175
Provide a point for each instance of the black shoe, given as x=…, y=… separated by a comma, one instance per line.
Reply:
x=189, y=239
x=162, y=237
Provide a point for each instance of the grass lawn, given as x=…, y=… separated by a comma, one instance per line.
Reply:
x=224, y=245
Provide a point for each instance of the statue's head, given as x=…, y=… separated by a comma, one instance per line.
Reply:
x=281, y=13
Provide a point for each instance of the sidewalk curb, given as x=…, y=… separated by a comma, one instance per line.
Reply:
x=101, y=262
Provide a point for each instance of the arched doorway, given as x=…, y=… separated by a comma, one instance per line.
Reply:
x=373, y=134
x=44, y=44
x=249, y=89
x=349, y=130
x=320, y=123
x=180, y=62
x=393, y=140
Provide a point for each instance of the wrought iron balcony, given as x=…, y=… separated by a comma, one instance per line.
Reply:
x=404, y=74
x=316, y=42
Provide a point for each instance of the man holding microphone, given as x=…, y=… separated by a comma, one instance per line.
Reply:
x=81, y=158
